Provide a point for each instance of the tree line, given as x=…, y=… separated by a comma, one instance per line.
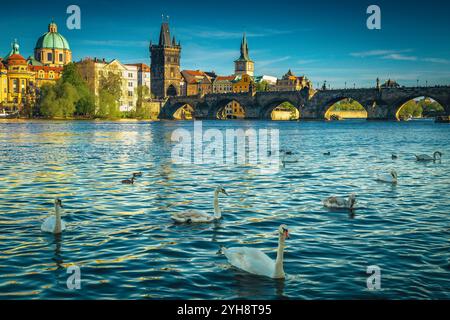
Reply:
x=71, y=97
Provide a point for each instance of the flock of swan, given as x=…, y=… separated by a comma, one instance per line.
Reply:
x=248, y=259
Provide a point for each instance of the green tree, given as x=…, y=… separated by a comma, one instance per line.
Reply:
x=143, y=94
x=68, y=96
x=430, y=108
x=85, y=105
x=262, y=86
x=410, y=109
x=58, y=100
x=110, y=92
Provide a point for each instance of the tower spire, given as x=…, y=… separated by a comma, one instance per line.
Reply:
x=164, y=35
x=244, y=48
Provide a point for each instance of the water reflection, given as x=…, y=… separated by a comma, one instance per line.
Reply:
x=245, y=285
x=128, y=246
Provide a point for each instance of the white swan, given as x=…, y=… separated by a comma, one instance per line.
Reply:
x=54, y=224
x=257, y=262
x=388, y=177
x=424, y=157
x=197, y=217
x=340, y=203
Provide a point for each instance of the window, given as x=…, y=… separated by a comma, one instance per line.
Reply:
x=130, y=93
x=61, y=57
x=130, y=75
x=49, y=56
x=130, y=84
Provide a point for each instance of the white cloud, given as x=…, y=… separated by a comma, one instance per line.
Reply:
x=375, y=53
x=399, y=57
x=437, y=60
x=116, y=43
x=201, y=32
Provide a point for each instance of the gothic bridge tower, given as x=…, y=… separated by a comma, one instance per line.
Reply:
x=165, y=65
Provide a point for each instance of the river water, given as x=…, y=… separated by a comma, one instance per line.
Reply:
x=126, y=246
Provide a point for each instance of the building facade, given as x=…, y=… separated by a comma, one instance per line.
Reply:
x=24, y=77
x=93, y=70
x=223, y=84
x=3, y=83
x=243, y=83
x=232, y=110
x=165, y=65
x=143, y=74
x=290, y=82
x=197, y=82
x=20, y=87
x=244, y=65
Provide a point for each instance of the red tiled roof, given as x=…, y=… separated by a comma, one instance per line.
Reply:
x=194, y=73
x=142, y=66
x=225, y=78
x=16, y=59
x=46, y=68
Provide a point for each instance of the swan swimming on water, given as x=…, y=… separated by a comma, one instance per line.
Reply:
x=340, y=203
x=388, y=177
x=424, y=157
x=255, y=261
x=54, y=224
x=197, y=217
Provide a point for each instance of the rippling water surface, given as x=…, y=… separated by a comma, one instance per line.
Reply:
x=122, y=237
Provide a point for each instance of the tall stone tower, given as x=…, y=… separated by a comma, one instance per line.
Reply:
x=165, y=65
x=244, y=65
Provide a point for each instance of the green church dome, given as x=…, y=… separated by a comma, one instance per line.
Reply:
x=52, y=39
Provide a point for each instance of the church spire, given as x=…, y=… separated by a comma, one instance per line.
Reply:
x=244, y=49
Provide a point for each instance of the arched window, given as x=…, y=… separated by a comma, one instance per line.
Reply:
x=171, y=91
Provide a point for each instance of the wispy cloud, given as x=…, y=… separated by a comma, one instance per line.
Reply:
x=399, y=57
x=437, y=60
x=115, y=43
x=199, y=32
x=377, y=53
x=264, y=63
x=306, y=61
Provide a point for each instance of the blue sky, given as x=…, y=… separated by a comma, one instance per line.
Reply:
x=325, y=40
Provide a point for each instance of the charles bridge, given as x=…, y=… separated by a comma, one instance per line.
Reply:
x=380, y=104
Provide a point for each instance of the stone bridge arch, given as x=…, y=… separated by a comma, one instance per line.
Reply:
x=170, y=108
x=380, y=104
x=322, y=101
x=397, y=105
x=267, y=109
x=217, y=102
